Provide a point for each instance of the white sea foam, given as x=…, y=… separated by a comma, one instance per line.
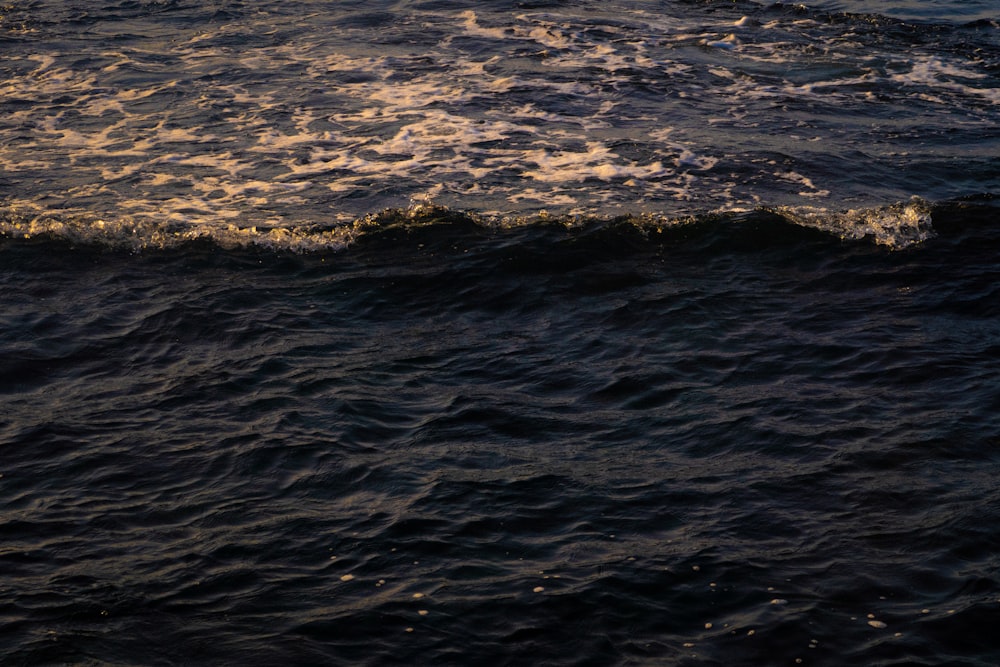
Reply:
x=688, y=158
x=598, y=161
x=506, y=111
x=941, y=76
x=810, y=191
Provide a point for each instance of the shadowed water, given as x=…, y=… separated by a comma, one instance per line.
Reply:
x=734, y=445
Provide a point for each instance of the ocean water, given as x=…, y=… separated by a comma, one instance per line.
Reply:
x=601, y=333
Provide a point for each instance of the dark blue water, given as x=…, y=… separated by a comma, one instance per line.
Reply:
x=500, y=333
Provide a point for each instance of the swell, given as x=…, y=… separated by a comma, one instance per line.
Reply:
x=894, y=226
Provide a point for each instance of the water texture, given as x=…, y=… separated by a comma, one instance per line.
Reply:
x=631, y=333
x=199, y=116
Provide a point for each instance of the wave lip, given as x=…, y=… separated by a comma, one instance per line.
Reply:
x=893, y=226
x=896, y=226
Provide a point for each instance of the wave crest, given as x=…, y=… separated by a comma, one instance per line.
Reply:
x=895, y=226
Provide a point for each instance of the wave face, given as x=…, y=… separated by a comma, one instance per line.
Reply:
x=518, y=333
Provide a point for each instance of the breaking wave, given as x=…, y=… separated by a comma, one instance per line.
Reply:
x=894, y=226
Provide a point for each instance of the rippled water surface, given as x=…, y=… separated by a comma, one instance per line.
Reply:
x=629, y=333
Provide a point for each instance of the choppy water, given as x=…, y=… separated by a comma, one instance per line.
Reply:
x=510, y=333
